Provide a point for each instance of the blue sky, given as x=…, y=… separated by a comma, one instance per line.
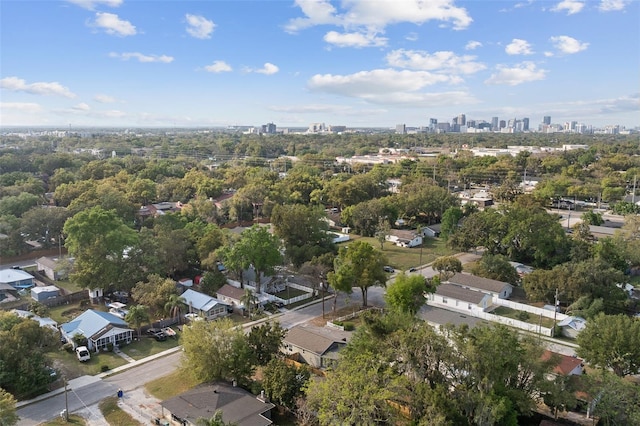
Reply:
x=295, y=62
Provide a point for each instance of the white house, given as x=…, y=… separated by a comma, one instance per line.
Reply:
x=404, y=238
x=432, y=231
x=205, y=306
x=100, y=329
x=495, y=288
x=572, y=326
x=16, y=278
x=50, y=267
x=451, y=296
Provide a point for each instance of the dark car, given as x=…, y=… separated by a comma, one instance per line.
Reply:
x=412, y=269
x=160, y=336
x=388, y=269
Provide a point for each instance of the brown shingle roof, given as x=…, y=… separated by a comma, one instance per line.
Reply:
x=231, y=292
x=310, y=341
x=486, y=284
x=566, y=363
x=460, y=293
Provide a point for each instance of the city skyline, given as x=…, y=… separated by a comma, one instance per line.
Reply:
x=119, y=63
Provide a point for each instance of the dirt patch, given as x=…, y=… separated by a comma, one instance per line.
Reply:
x=330, y=315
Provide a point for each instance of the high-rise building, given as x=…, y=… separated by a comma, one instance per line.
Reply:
x=525, y=124
x=503, y=124
x=494, y=123
x=462, y=119
x=433, y=123
x=401, y=129
x=269, y=128
x=546, y=120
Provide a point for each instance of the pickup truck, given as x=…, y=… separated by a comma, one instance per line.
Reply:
x=83, y=353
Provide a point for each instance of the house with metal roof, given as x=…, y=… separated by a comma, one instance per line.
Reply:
x=495, y=288
x=237, y=406
x=17, y=278
x=100, y=329
x=205, y=306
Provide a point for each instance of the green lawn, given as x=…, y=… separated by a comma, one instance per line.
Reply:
x=504, y=311
x=114, y=415
x=149, y=346
x=75, y=368
x=290, y=293
x=405, y=258
x=69, y=286
x=171, y=385
x=65, y=313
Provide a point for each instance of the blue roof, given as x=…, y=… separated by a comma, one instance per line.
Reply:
x=91, y=322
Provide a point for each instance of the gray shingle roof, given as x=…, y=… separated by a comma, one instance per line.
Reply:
x=480, y=283
x=237, y=405
x=310, y=341
x=460, y=293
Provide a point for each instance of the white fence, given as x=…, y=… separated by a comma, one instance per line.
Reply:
x=528, y=308
x=252, y=286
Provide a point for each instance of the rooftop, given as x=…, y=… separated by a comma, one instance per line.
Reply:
x=479, y=283
x=460, y=293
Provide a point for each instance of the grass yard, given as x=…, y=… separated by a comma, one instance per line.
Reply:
x=72, y=368
x=69, y=286
x=114, y=415
x=171, y=385
x=149, y=346
x=405, y=258
x=73, y=420
x=65, y=313
x=289, y=293
x=504, y=311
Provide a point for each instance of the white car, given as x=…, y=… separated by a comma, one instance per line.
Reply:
x=83, y=353
x=193, y=317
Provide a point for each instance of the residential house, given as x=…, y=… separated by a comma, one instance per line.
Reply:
x=205, y=306
x=495, y=288
x=17, y=278
x=6, y=291
x=317, y=349
x=232, y=296
x=572, y=326
x=100, y=329
x=451, y=296
x=44, y=322
x=237, y=406
x=42, y=293
x=432, y=231
x=567, y=365
x=404, y=238
x=49, y=266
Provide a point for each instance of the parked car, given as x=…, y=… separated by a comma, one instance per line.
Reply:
x=83, y=353
x=152, y=331
x=160, y=336
x=412, y=269
x=388, y=269
x=193, y=317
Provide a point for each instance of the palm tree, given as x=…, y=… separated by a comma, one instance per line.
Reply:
x=174, y=306
x=136, y=316
x=248, y=299
x=216, y=420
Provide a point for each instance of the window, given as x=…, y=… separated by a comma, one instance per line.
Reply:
x=469, y=305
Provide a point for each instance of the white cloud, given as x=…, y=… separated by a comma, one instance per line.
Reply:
x=389, y=86
x=376, y=15
x=571, y=6
x=16, y=84
x=199, y=26
x=568, y=45
x=267, y=69
x=218, y=66
x=312, y=108
x=25, y=107
x=141, y=57
x=518, y=47
x=104, y=99
x=412, y=36
x=354, y=39
x=521, y=73
x=612, y=5
x=472, y=45
x=91, y=4
x=81, y=107
x=443, y=61
x=112, y=24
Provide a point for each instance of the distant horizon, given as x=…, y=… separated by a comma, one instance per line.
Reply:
x=197, y=64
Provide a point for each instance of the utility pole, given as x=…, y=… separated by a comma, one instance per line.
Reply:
x=555, y=314
x=66, y=402
x=633, y=194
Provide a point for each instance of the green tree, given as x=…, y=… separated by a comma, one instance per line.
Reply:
x=496, y=267
x=265, y=341
x=358, y=265
x=8, y=416
x=616, y=400
x=284, y=383
x=217, y=350
x=559, y=394
x=212, y=281
x=137, y=315
x=261, y=250
x=215, y=420
x=154, y=293
x=17, y=205
x=611, y=341
x=592, y=218
x=249, y=300
x=175, y=304
x=450, y=219
x=447, y=266
x=98, y=240
x=406, y=294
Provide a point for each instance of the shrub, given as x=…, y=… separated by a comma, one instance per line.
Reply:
x=522, y=315
x=338, y=323
x=109, y=346
x=349, y=326
x=104, y=368
x=68, y=347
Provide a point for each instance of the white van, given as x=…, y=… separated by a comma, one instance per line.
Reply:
x=83, y=353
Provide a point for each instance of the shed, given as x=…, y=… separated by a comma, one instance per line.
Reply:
x=41, y=294
x=16, y=278
x=493, y=287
